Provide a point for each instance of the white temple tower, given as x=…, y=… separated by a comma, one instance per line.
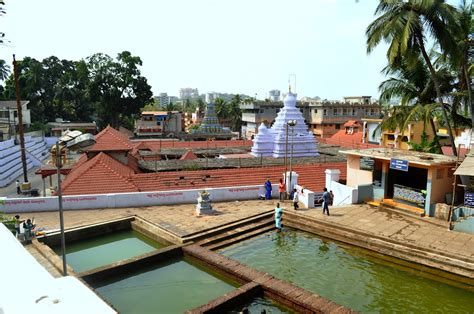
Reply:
x=300, y=141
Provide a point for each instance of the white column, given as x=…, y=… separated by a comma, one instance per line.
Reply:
x=332, y=175
x=364, y=126
x=294, y=180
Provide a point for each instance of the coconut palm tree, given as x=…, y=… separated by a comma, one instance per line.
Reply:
x=461, y=56
x=4, y=70
x=413, y=85
x=406, y=25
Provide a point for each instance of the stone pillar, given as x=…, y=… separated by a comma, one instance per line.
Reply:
x=385, y=170
x=294, y=180
x=364, y=127
x=332, y=175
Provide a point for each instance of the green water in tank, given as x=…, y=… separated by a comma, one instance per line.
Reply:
x=350, y=276
x=172, y=287
x=101, y=250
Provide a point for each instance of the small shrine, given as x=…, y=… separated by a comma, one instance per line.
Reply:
x=210, y=123
x=204, y=205
x=289, y=135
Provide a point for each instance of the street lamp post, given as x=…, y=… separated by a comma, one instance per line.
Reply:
x=292, y=124
x=60, y=200
x=74, y=142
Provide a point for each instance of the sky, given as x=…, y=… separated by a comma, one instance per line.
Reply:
x=227, y=46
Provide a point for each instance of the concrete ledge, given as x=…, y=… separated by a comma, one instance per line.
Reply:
x=154, y=232
x=443, y=265
x=131, y=264
x=277, y=289
x=87, y=231
x=51, y=256
x=230, y=300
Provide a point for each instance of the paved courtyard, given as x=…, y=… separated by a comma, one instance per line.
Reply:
x=180, y=219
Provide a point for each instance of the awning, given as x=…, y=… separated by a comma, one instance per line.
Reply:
x=466, y=168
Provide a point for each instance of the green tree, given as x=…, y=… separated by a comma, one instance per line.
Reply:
x=461, y=55
x=4, y=70
x=406, y=25
x=221, y=108
x=200, y=104
x=117, y=88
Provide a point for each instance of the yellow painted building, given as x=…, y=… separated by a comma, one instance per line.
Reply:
x=399, y=140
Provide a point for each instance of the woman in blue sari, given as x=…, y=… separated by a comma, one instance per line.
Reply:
x=278, y=216
x=268, y=190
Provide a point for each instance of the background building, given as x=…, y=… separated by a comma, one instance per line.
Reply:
x=159, y=123
x=274, y=95
x=9, y=118
x=188, y=93
x=325, y=118
x=163, y=99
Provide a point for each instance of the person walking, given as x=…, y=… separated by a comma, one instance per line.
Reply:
x=18, y=190
x=331, y=200
x=295, y=199
x=282, y=190
x=326, y=198
x=278, y=217
x=268, y=190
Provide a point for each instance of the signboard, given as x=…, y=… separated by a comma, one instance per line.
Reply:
x=469, y=199
x=399, y=164
x=366, y=163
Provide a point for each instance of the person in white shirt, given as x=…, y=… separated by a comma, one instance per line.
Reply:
x=295, y=199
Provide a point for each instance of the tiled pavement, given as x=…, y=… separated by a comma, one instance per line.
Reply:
x=180, y=219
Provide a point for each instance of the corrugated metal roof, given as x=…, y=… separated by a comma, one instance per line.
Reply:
x=466, y=168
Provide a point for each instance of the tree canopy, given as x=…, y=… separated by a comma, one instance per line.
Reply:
x=100, y=88
x=421, y=76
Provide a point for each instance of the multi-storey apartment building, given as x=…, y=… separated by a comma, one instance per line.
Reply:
x=324, y=118
x=159, y=123
x=188, y=93
x=256, y=112
x=9, y=117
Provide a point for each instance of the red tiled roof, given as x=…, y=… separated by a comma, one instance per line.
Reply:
x=310, y=176
x=101, y=174
x=155, y=145
x=351, y=123
x=341, y=138
x=110, y=139
x=189, y=155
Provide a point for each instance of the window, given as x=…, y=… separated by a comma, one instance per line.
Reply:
x=338, y=126
x=345, y=112
x=354, y=112
x=334, y=111
x=316, y=110
x=325, y=112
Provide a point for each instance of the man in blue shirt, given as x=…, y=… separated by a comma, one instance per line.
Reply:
x=326, y=199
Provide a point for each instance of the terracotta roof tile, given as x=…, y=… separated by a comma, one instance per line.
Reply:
x=101, y=174
x=156, y=145
x=341, y=138
x=351, y=123
x=110, y=139
x=189, y=155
